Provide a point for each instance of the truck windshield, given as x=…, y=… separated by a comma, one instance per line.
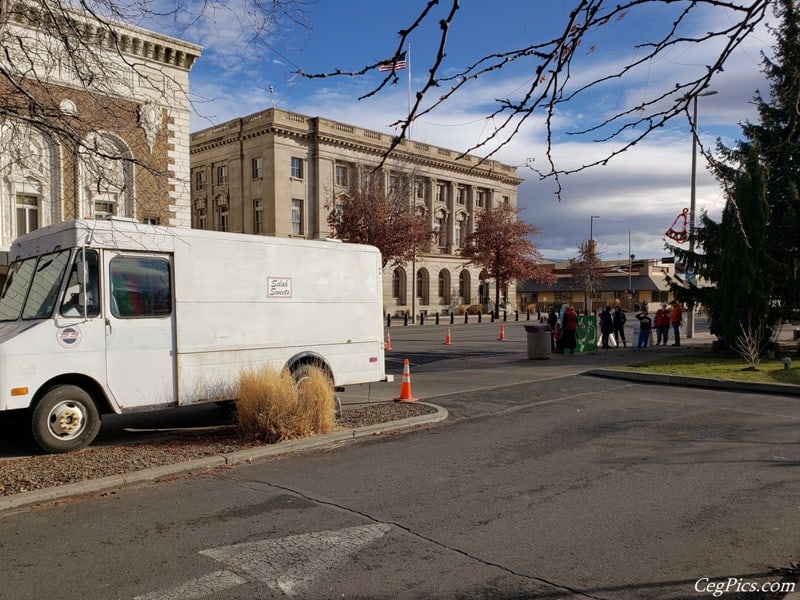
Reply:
x=32, y=285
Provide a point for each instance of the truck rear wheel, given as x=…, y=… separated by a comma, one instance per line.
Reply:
x=65, y=419
x=303, y=372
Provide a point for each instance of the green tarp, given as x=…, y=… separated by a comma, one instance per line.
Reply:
x=587, y=333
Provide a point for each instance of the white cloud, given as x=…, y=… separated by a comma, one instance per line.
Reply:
x=644, y=190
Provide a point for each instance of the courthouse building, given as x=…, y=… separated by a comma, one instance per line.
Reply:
x=279, y=173
x=130, y=117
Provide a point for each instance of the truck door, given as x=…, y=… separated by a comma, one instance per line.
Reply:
x=140, y=325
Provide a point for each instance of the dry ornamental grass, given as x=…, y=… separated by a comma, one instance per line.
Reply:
x=274, y=407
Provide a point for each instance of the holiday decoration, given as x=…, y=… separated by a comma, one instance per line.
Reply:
x=679, y=235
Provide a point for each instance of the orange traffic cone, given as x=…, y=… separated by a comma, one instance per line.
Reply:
x=447, y=340
x=502, y=333
x=405, y=386
x=388, y=341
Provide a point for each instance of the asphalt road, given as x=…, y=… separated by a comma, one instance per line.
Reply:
x=539, y=485
x=474, y=360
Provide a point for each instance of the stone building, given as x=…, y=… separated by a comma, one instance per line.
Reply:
x=279, y=173
x=118, y=138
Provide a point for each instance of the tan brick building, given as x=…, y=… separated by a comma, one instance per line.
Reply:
x=278, y=173
x=131, y=117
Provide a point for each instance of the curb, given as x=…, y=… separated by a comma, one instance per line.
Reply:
x=114, y=482
x=699, y=382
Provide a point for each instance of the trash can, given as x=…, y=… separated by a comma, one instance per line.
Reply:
x=539, y=340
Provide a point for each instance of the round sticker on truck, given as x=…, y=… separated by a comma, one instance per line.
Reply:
x=69, y=337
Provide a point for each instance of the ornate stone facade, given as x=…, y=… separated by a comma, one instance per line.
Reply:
x=131, y=120
x=278, y=173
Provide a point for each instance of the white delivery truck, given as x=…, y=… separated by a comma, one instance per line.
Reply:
x=101, y=316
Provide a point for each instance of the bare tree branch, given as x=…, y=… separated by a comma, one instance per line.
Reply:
x=554, y=62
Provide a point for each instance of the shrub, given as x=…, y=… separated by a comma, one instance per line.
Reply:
x=751, y=345
x=475, y=309
x=532, y=308
x=274, y=407
x=462, y=309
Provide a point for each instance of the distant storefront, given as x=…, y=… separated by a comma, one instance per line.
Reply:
x=645, y=282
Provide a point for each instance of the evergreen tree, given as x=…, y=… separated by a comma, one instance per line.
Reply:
x=704, y=264
x=744, y=266
x=777, y=139
x=751, y=257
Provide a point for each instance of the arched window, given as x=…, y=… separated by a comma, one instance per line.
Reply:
x=444, y=286
x=399, y=286
x=30, y=196
x=464, y=287
x=483, y=288
x=106, y=175
x=423, y=286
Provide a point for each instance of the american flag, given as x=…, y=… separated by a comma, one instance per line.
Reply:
x=394, y=64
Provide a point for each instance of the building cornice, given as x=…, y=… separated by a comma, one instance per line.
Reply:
x=333, y=133
x=112, y=35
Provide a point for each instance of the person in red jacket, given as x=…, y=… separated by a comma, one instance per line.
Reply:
x=569, y=330
x=662, y=324
x=676, y=318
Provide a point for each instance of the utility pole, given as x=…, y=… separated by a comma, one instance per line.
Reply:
x=693, y=201
x=587, y=304
x=630, y=266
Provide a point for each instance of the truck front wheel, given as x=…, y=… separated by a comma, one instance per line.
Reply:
x=65, y=419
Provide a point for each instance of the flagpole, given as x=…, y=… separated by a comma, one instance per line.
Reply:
x=408, y=64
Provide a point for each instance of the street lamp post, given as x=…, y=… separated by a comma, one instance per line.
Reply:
x=588, y=300
x=414, y=288
x=630, y=265
x=591, y=237
x=693, y=200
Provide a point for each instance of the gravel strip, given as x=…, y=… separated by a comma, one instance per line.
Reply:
x=49, y=470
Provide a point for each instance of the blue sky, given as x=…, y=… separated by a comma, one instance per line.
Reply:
x=642, y=190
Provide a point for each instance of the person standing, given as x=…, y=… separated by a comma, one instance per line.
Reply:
x=662, y=324
x=606, y=325
x=569, y=331
x=676, y=318
x=552, y=321
x=645, y=329
x=619, y=326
